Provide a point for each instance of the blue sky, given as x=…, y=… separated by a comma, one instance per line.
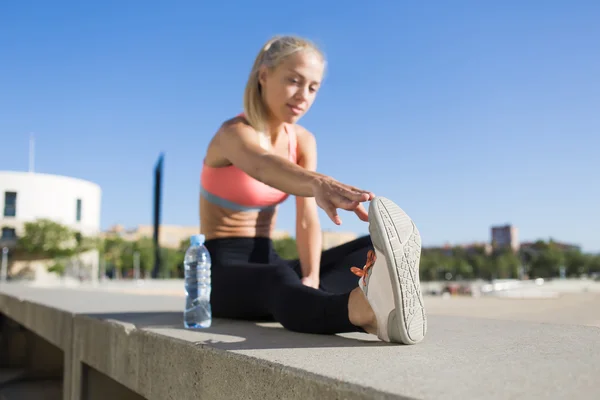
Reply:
x=466, y=113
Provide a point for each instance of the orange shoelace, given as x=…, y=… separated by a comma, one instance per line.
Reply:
x=364, y=271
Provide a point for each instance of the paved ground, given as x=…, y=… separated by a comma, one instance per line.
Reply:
x=476, y=347
x=574, y=302
x=568, y=308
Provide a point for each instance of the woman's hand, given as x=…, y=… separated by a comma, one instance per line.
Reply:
x=331, y=195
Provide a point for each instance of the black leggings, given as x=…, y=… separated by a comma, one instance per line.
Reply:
x=250, y=281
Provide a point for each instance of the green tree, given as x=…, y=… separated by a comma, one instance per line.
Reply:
x=593, y=263
x=58, y=268
x=172, y=263
x=113, y=249
x=126, y=258
x=506, y=265
x=575, y=262
x=145, y=248
x=429, y=265
x=445, y=264
x=435, y=263
x=462, y=268
x=44, y=238
x=480, y=264
x=286, y=248
x=545, y=259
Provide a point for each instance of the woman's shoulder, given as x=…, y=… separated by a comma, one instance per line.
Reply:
x=237, y=126
x=231, y=132
x=235, y=123
x=304, y=136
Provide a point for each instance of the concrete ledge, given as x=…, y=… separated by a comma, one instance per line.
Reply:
x=160, y=364
x=138, y=342
x=54, y=325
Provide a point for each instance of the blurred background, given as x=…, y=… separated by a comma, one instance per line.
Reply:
x=480, y=120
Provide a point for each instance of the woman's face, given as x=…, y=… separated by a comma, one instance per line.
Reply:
x=290, y=89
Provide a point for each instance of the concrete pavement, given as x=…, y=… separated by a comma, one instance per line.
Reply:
x=138, y=340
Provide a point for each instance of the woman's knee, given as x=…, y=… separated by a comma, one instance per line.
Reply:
x=281, y=276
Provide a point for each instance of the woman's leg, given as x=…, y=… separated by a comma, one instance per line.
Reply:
x=251, y=291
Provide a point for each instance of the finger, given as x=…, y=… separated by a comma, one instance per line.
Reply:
x=331, y=211
x=337, y=220
x=362, y=213
x=344, y=203
x=358, y=190
x=356, y=194
x=370, y=195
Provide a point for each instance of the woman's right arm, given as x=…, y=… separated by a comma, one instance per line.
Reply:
x=238, y=143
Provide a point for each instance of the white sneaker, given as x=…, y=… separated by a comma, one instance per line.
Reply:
x=390, y=278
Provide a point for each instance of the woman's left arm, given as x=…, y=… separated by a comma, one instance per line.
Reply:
x=308, y=228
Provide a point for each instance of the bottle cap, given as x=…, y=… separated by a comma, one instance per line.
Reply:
x=197, y=240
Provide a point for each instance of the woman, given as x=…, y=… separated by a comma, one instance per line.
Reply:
x=253, y=163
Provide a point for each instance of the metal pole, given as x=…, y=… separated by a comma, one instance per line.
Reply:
x=157, y=206
x=4, y=267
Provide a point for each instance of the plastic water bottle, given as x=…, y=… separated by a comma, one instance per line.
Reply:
x=196, y=264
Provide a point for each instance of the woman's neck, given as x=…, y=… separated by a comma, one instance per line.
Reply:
x=273, y=129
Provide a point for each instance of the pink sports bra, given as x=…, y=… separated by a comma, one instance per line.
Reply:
x=232, y=188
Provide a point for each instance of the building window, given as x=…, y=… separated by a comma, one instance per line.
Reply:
x=8, y=234
x=10, y=204
x=78, y=211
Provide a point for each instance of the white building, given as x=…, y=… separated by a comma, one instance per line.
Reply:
x=27, y=196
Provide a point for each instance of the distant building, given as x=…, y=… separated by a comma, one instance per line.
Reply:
x=25, y=197
x=278, y=234
x=506, y=236
x=169, y=236
x=331, y=239
x=28, y=196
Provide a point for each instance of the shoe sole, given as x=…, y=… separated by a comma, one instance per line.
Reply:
x=394, y=234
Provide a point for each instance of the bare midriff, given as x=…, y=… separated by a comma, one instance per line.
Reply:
x=219, y=222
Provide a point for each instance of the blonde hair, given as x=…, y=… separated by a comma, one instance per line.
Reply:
x=271, y=55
